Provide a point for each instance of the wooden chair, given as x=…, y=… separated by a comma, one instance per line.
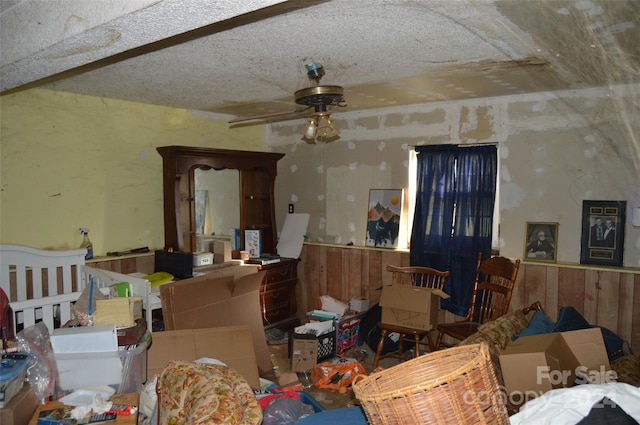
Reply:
x=492, y=290
x=424, y=277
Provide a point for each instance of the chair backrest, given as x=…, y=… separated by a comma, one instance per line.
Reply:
x=424, y=277
x=493, y=287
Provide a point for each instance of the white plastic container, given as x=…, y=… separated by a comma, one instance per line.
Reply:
x=124, y=369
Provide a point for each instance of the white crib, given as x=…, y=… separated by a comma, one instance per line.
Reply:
x=44, y=284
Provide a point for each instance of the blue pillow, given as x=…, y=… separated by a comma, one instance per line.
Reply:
x=570, y=320
x=539, y=324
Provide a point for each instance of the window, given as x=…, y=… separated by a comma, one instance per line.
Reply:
x=454, y=201
x=411, y=201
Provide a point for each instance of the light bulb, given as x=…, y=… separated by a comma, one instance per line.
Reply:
x=310, y=131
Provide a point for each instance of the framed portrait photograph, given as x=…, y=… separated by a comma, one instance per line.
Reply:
x=603, y=232
x=383, y=217
x=541, y=241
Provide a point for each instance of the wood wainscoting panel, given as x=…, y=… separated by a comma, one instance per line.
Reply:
x=532, y=284
x=550, y=300
x=625, y=314
x=591, y=292
x=608, y=299
x=337, y=273
x=570, y=289
x=354, y=274
x=604, y=296
x=126, y=264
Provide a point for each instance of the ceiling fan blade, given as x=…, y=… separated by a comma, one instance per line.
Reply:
x=274, y=115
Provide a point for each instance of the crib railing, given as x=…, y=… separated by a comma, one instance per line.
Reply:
x=43, y=285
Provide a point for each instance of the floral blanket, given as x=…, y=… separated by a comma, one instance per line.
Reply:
x=196, y=393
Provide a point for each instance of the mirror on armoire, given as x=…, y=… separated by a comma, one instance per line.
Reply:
x=208, y=192
x=217, y=205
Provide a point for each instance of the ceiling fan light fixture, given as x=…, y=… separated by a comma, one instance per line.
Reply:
x=321, y=98
x=320, y=128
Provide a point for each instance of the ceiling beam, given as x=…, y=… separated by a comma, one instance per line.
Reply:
x=42, y=38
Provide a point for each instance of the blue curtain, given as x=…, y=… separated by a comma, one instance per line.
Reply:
x=453, y=217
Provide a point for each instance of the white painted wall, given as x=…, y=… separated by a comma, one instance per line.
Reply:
x=557, y=149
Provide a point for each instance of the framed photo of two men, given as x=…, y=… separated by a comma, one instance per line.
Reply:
x=603, y=232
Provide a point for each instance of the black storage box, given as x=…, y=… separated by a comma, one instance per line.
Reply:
x=179, y=264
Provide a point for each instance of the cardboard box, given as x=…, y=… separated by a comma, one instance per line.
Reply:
x=348, y=329
x=232, y=345
x=222, y=251
x=228, y=296
x=306, y=350
x=120, y=311
x=132, y=335
x=411, y=306
x=20, y=409
x=288, y=378
x=535, y=364
x=253, y=242
x=359, y=304
x=304, y=354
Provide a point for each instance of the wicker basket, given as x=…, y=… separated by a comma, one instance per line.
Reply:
x=453, y=386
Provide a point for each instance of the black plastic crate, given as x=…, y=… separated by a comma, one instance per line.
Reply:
x=326, y=343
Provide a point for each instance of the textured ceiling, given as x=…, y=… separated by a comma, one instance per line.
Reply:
x=243, y=58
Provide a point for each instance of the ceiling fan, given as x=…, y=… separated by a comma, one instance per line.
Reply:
x=319, y=97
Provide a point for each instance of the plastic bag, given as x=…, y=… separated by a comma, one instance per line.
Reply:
x=84, y=308
x=149, y=403
x=42, y=373
x=285, y=411
x=337, y=374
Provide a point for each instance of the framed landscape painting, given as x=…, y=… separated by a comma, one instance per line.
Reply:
x=603, y=232
x=383, y=217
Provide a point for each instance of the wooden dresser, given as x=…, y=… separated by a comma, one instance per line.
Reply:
x=255, y=174
x=278, y=295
